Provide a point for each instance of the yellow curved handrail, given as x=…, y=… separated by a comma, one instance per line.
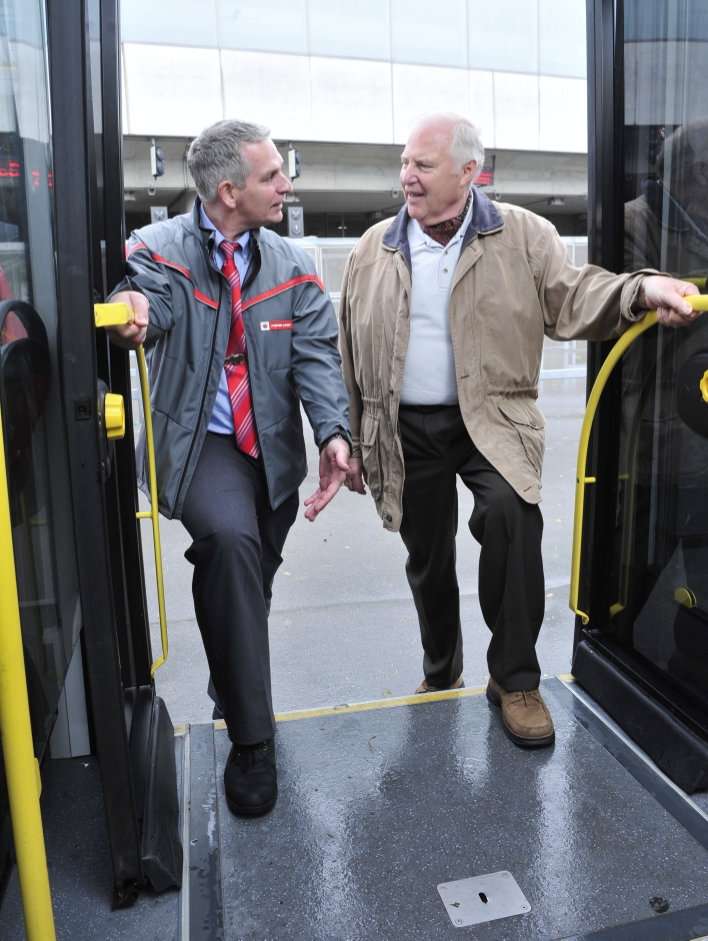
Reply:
x=698, y=302
x=107, y=315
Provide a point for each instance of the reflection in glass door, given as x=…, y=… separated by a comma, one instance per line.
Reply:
x=29, y=381
x=660, y=553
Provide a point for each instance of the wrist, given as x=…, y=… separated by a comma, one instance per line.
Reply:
x=334, y=438
x=642, y=298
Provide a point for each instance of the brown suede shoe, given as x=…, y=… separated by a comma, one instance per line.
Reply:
x=425, y=686
x=525, y=718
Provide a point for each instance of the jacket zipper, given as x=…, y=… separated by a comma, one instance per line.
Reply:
x=253, y=270
x=203, y=397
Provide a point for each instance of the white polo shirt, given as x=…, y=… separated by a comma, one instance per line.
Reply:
x=429, y=371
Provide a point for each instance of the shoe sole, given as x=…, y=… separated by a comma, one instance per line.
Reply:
x=520, y=740
x=445, y=689
x=240, y=811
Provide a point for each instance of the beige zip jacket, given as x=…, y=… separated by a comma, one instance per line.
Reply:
x=513, y=285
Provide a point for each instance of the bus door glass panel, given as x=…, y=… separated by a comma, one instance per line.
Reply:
x=32, y=411
x=660, y=552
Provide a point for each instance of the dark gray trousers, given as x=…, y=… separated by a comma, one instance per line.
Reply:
x=236, y=548
x=436, y=448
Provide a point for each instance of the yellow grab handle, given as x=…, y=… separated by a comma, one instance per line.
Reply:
x=21, y=768
x=698, y=302
x=110, y=315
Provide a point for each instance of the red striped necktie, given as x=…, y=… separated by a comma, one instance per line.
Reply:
x=235, y=365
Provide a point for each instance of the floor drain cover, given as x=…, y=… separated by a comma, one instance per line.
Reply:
x=483, y=898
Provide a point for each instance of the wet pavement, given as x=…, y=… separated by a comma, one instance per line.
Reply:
x=343, y=627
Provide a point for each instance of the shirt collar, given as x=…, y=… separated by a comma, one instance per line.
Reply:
x=206, y=222
x=417, y=236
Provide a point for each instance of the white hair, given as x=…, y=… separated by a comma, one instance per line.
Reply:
x=466, y=143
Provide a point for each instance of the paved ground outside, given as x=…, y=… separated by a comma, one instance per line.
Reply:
x=343, y=627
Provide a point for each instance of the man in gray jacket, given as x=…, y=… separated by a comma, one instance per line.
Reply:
x=238, y=331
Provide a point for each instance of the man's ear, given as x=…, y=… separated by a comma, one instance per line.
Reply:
x=469, y=170
x=228, y=194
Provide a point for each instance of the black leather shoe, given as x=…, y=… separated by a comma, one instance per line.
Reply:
x=251, y=778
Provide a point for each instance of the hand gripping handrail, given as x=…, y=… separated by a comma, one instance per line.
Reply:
x=107, y=315
x=698, y=302
x=21, y=768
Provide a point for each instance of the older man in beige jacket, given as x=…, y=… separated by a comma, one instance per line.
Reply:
x=442, y=318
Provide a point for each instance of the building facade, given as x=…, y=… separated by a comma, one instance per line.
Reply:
x=343, y=81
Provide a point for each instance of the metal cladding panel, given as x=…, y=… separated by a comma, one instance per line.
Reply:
x=680, y=754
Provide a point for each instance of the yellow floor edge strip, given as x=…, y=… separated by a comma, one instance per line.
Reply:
x=417, y=700
x=373, y=704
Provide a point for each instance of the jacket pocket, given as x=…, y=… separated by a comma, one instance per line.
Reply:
x=370, y=452
x=527, y=419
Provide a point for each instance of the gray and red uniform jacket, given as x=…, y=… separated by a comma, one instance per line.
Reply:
x=291, y=347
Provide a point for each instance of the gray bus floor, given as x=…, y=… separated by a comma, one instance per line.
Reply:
x=378, y=805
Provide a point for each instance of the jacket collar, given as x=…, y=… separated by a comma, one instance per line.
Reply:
x=207, y=235
x=195, y=219
x=485, y=220
x=207, y=239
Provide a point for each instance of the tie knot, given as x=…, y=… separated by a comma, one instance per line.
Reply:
x=228, y=248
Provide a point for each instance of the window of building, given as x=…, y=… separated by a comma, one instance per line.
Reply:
x=169, y=22
x=561, y=38
x=437, y=40
x=503, y=35
x=273, y=25
x=351, y=28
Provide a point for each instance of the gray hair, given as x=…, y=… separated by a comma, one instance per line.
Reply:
x=466, y=142
x=216, y=155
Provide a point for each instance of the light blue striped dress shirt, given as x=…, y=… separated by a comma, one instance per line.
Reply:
x=222, y=417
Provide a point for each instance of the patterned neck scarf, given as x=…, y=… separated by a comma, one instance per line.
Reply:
x=442, y=232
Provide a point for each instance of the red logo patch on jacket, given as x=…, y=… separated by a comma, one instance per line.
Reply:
x=276, y=324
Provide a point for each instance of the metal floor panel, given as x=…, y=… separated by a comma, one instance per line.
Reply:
x=378, y=807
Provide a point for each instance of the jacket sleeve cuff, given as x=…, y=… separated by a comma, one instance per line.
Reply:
x=337, y=434
x=629, y=301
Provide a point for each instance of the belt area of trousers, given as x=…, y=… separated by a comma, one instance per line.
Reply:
x=426, y=409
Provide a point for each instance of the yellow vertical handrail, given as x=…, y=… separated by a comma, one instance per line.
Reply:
x=107, y=315
x=698, y=302
x=21, y=767
x=152, y=514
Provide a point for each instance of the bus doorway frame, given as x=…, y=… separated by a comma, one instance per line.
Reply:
x=132, y=733
x=672, y=731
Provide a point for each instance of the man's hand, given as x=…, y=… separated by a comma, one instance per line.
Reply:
x=131, y=335
x=666, y=295
x=356, y=476
x=333, y=471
